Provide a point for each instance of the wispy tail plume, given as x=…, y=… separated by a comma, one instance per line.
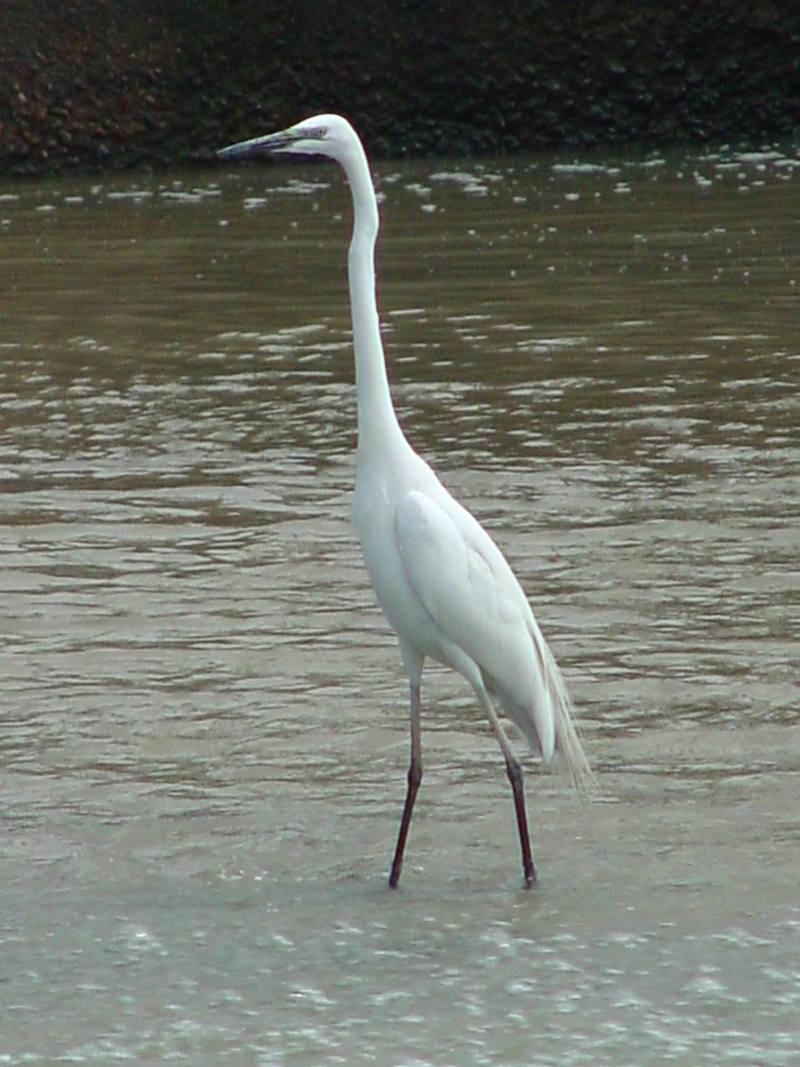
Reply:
x=568, y=740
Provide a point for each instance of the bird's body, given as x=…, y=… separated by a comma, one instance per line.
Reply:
x=442, y=582
x=446, y=588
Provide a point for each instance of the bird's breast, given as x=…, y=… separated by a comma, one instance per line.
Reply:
x=374, y=510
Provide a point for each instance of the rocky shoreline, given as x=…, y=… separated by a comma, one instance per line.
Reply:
x=101, y=84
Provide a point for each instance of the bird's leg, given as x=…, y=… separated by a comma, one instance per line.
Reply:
x=414, y=778
x=515, y=777
x=514, y=771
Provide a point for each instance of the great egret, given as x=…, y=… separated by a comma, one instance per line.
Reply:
x=443, y=584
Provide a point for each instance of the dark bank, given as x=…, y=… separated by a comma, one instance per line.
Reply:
x=96, y=84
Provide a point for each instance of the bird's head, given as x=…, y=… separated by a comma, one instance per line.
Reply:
x=320, y=135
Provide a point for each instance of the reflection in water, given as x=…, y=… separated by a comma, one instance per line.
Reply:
x=203, y=732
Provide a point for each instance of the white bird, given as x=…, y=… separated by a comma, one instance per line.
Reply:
x=441, y=581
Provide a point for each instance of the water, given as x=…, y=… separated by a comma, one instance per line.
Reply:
x=204, y=734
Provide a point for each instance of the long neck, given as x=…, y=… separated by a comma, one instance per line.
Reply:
x=376, y=416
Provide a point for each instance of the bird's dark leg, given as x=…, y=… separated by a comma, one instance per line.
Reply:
x=414, y=778
x=515, y=777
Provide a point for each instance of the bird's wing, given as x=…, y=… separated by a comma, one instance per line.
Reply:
x=474, y=607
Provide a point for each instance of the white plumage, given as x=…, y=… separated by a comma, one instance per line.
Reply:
x=442, y=582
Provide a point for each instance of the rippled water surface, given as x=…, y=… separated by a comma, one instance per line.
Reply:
x=203, y=731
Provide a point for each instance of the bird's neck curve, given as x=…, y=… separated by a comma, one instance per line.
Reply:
x=377, y=422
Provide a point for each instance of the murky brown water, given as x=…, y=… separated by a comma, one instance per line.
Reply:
x=203, y=741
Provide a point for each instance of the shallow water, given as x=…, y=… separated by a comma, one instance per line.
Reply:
x=204, y=735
